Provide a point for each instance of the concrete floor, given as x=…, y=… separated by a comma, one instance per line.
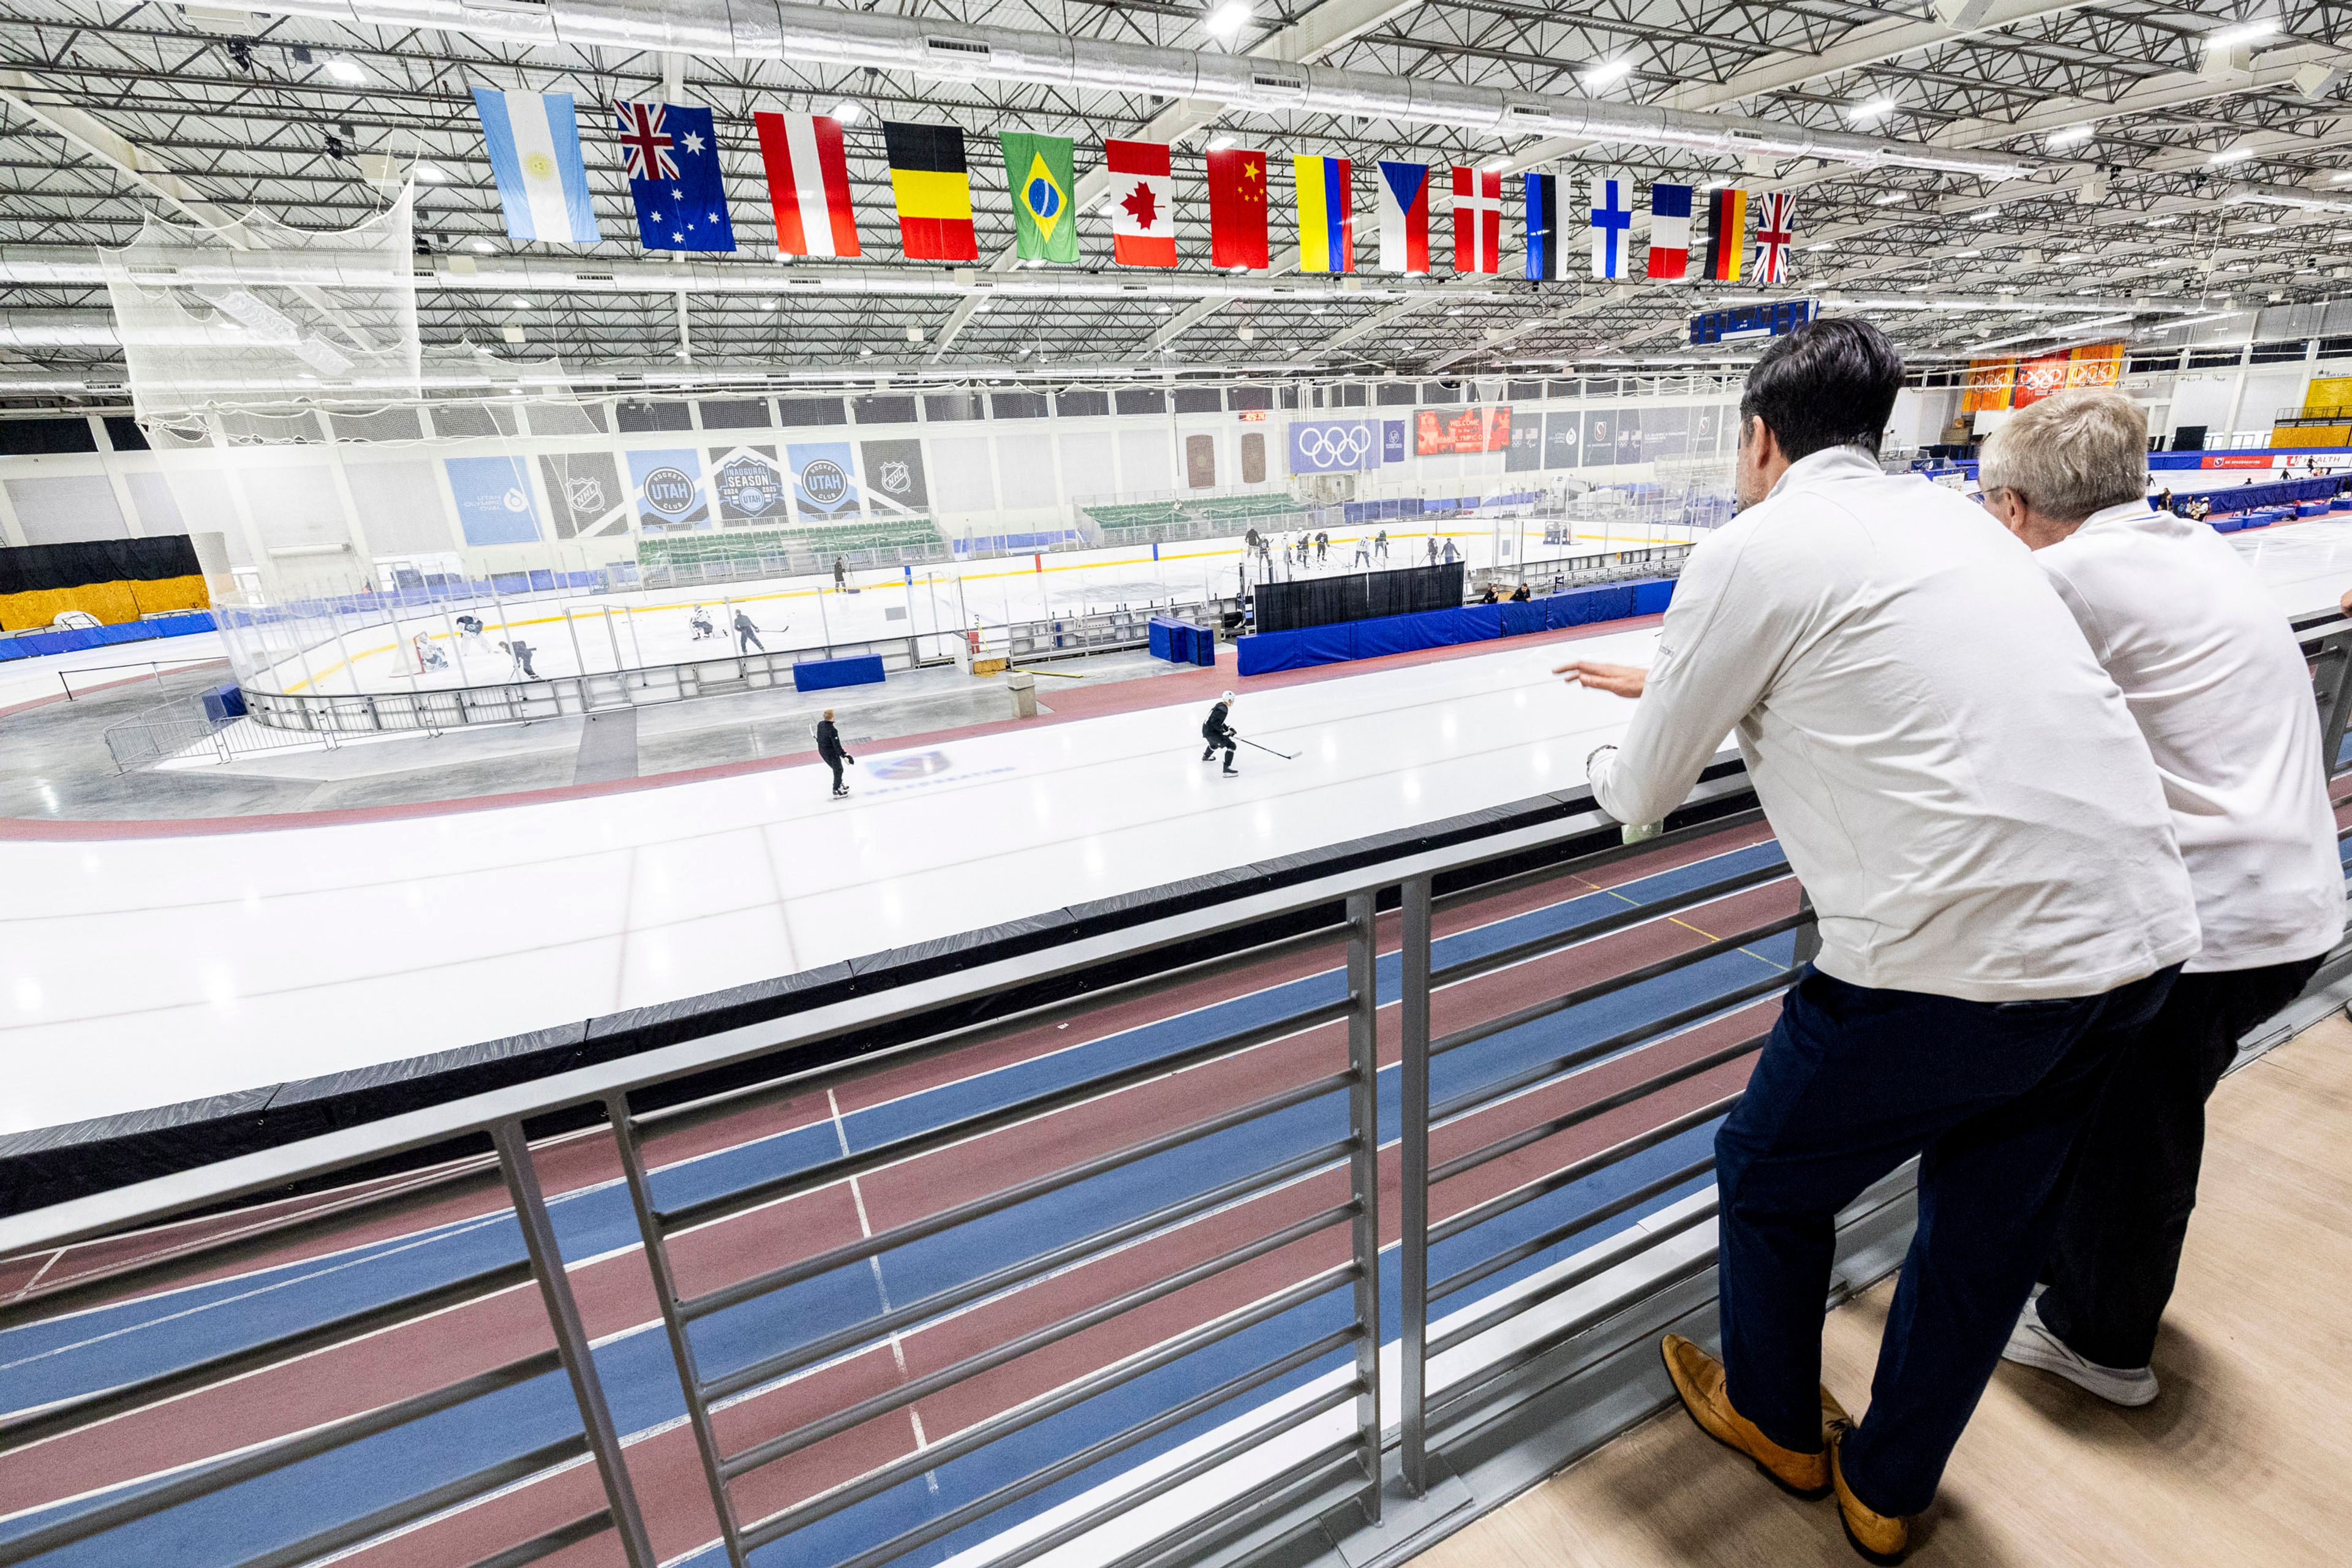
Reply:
x=55, y=764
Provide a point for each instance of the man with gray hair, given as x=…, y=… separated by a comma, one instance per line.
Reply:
x=2214, y=678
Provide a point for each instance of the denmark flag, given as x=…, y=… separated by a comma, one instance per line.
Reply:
x=1477, y=221
x=1142, y=203
x=808, y=182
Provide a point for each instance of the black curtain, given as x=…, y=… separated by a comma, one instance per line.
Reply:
x=31, y=567
x=1361, y=597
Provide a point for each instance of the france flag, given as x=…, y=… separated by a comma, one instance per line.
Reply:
x=534, y=146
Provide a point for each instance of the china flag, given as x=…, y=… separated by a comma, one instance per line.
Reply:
x=1237, y=208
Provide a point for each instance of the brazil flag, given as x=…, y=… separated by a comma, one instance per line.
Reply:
x=1038, y=172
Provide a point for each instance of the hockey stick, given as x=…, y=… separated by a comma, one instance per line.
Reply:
x=1285, y=756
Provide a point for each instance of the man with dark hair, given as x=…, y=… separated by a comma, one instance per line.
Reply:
x=2001, y=907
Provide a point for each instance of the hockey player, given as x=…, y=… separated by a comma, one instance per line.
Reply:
x=1220, y=734
x=1381, y=545
x=1322, y=547
x=427, y=656
x=1433, y=549
x=520, y=651
x=1451, y=554
x=698, y=625
x=747, y=636
x=829, y=749
x=840, y=572
x=1364, y=550
x=470, y=627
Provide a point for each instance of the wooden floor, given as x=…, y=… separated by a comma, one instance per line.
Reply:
x=2245, y=1457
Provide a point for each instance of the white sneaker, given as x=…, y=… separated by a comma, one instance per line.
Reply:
x=2030, y=1344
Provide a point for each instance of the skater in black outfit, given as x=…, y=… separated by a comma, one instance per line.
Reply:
x=747, y=636
x=520, y=651
x=1381, y=544
x=1433, y=549
x=828, y=748
x=1220, y=734
x=840, y=572
x=1322, y=548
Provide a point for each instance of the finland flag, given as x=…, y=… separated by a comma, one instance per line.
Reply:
x=534, y=147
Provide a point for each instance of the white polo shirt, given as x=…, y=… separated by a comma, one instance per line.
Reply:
x=1957, y=782
x=2219, y=688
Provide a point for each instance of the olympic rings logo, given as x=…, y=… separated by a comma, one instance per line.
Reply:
x=1332, y=445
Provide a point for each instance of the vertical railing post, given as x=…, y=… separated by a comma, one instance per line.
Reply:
x=1412, y=1147
x=681, y=1348
x=1364, y=1175
x=572, y=1340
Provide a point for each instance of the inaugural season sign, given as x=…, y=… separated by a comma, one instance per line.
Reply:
x=1334, y=446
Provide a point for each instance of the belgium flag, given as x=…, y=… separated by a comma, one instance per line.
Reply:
x=932, y=189
x=115, y=580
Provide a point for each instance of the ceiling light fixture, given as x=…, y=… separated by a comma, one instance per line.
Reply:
x=848, y=111
x=2253, y=32
x=1608, y=73
x=2228, y=156
x=432, y=174
x=1871, y=113
x=345, y=70
x=1226, y=22
x=2071, y=136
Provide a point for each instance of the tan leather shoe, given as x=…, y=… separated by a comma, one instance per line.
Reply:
x=1881, y=1537
x=1698, y=1378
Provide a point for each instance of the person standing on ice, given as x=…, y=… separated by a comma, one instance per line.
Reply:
x=747, y=636
x=1220, y=734
x=1381, y=545
x=1364, y=550
x=840, y=572
x=1433, y=549
x=520, y=651
x=829, y=749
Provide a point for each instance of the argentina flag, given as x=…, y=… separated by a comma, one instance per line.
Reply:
x=672, y=159
x=533, y=140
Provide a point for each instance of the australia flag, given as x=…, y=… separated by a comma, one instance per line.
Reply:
x=672, y=159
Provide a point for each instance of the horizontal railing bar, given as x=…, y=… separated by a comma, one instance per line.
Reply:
x=1120, y=1441
x=1443, y=1402
x=996, y=1356
x=1616, y=982
x=825, y=1348
x=449, y=1494
x=1576, y=1170
x=66, y=1415
x=777, y=1189
x=1479, y=1096
x=983, y=1433
x=857, y=1251
x=1462, y=1163
x=1646, y=1193
x=1247, y=1508
x=548, y=1543
x=292, y=1450
x=160, y=1271
x=1122, y=994
x=1536, y=875
x=1615, y=920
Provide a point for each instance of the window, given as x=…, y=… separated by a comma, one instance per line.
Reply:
x=1249, y=397
x=1350, y=394
x=1081, y=403
x=735, y=414
x=1524, y=391
x=793, y=411
x=1396, y=394
x=33, y=437
x=1441, y=392
x=1199, y=400
x=125, y=434
x=641, y=415
x=946, y=407
x=885, y=408
x=1142, y=400
x=1016, y=404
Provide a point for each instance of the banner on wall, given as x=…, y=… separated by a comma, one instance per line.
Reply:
x=1437, y=431
x=666, y=486
x=1600, y=438
x=823, y=481
x=584, y=491
x=894, y=482
x=750, y=484
x=1629, y=436
x=2095, y=364
x=1524, y=454
x=1989, y=385
x=1665, y=434
x=493, y=495
x=1334, y=446
x=2038, y=377
x=1563, y=440
x=1705, y=423
x=1392, y=441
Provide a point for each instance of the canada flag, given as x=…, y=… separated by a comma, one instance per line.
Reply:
x=1142, y=203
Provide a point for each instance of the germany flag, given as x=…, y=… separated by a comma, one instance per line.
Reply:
x=932, y=189
x=114, y=580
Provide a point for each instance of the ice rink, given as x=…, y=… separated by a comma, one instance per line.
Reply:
x=2305, y=565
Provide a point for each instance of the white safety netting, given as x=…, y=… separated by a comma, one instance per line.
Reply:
x=264, y=318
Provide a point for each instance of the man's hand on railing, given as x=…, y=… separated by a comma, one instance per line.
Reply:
x=2345, y=603
x=1619, y=679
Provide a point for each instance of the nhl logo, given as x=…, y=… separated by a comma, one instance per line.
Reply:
x=584, y=494
x=895, y=479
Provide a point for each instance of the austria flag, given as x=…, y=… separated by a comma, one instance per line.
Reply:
x=1404, y=217
x=1477, y=221
x=1142, y=203
x=808, y=182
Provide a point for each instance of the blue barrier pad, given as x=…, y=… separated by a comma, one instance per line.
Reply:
x=821, y=674
x=1653, y=596
x=1520, y=619
x=129, y=631
x=13, y=647
x=225, y=702
x=61, y=642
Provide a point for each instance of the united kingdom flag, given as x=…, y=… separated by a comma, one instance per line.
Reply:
x=647, y=145
x=1776, y=231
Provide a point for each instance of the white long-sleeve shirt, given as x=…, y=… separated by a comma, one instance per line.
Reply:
x=1953, y=777
x=2219, y=688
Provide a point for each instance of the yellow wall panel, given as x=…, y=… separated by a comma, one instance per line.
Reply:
x=165, y=594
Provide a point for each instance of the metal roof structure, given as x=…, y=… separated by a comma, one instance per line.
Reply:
x=2152, y=171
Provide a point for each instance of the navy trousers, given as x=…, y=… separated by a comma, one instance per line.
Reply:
x=1853, y=1081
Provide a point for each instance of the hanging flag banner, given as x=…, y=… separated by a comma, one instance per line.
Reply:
x=1612, y=222
x=666, y=484
x=823, y=481
x=533, y=140
x=1477, y=221
x=1670, y=232
x=1776, y=232
x=1524, y=454
x=931, y=188
x=1542, y=224
x=493, y=497
x=2039, y=376
x=1392, y=441
x=1404, y=217
x=1727, y=233
x=808, y=184
x=584, y=490
x=1563, y=440
x=895, y=484
x=1327, y=214
x=1334, y=446
x=1142, y=203
x=1237, y=208
x=671, y=155
x=1600, y=439
x=1038, y=172
x=750, y=484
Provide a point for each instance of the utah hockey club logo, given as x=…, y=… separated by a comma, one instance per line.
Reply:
x=670, y=490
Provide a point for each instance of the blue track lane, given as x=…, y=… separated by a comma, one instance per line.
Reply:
x=47, y=1362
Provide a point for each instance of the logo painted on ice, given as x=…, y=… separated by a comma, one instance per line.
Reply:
x=670, y=490
x=749, y=484
x=824, y=483
x=916, y=765
x=895, y=479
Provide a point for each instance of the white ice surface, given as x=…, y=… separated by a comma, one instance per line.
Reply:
x=2305, y=565
x=141, y=972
